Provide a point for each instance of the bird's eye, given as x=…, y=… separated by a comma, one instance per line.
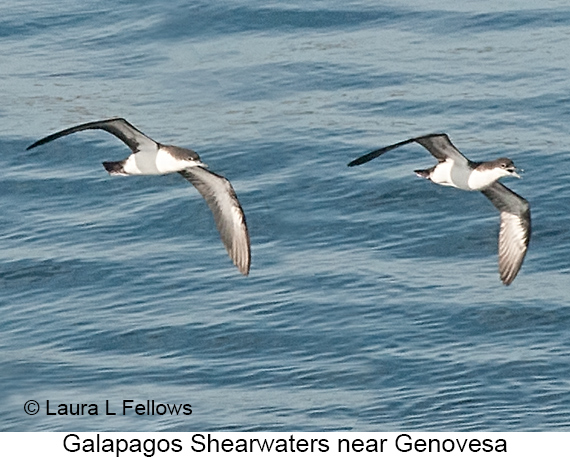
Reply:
x=503, y=165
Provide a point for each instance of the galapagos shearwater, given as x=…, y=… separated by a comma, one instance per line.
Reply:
x=456, y=170
x=151, y=158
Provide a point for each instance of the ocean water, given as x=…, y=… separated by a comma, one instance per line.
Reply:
x=374, y=301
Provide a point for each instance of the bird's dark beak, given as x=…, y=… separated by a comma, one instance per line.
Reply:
x=514, y=172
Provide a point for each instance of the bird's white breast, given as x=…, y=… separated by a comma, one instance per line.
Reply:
x=167, y=163
x=479, y=180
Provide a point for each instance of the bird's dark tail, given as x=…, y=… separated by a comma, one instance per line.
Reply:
x=115, y=168
x=424, y=173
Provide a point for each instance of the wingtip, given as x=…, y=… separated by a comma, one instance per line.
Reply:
x=509, y=274
x=243, y=264
x=365, y=158
x=360, y=160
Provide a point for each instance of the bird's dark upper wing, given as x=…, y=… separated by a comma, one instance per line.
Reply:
x=514, y=234
x=126, y=132
x=227, y=211
x=438, y=144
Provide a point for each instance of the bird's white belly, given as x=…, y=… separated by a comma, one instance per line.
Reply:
x=158, y=163
x=449, y=174
x=479, y=180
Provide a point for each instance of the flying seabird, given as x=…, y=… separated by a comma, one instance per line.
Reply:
x=151, y=158
x=456, y=170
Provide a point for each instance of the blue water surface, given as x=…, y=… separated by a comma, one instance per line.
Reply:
x=374, y=301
